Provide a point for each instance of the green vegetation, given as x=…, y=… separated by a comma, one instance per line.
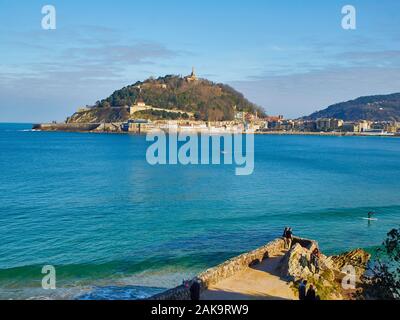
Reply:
x=383, y=281
x=205, y=99
x=373, y=108
x=325, y=285
x=100, y=115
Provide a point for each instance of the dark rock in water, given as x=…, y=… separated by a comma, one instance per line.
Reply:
x=120, y=293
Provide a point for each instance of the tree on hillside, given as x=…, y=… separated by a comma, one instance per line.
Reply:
x=383, y=283
x=207, y=100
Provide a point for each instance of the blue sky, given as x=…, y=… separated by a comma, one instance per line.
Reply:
x=291, y=57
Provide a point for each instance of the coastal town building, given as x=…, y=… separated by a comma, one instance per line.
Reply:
x=310, y=126
x=389, y=126
x=272, y=123
x=250, y=117
x=336, y=124
x=274, y=118
x=324, y=124
x=350, y=127
x=187, y=126
x=139, y=105
x=240, y=116
x=364, y=125
x=287, y=125
x=304, y=126
x=327, y=124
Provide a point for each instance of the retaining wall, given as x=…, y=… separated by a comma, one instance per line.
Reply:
x=224, y=270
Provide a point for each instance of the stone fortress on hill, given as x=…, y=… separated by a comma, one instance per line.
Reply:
x=140, y=104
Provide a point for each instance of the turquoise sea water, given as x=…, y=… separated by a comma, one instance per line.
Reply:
x=116, y=227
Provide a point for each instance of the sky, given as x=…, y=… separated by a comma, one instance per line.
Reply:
x=291, y=57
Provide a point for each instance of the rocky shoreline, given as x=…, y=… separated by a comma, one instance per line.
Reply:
x=295, y=265
x=116, y=127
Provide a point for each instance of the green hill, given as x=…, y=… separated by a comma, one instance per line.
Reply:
x=374, y=108
x=202, y=99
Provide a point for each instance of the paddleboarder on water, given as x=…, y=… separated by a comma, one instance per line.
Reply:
x=370, y=214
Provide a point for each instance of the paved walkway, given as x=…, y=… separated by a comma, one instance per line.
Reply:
x=260, y=282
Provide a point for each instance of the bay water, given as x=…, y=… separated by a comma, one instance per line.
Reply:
x=116, y=227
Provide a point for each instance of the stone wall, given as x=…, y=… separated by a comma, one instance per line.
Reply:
x=295, y=265
x=224, y=270
x=305, y=243
x=179, y=293
x=66, y=126
x=239, y=263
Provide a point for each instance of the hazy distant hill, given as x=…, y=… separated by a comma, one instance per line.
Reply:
x=202, y=98
x=375, y=108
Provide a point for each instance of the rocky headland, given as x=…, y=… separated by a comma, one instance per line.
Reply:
x=273, y=272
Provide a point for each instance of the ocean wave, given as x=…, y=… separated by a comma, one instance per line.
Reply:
x=120, y=293
x=113, y=280
x=133, y=287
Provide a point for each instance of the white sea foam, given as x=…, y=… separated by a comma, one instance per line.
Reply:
x=167, y=278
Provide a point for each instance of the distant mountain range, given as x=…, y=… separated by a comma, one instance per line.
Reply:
x=374, y=108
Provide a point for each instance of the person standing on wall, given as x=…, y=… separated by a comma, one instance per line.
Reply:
x=302, y=290
x=288, y=238
x=195, y=290
x=311, y=293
